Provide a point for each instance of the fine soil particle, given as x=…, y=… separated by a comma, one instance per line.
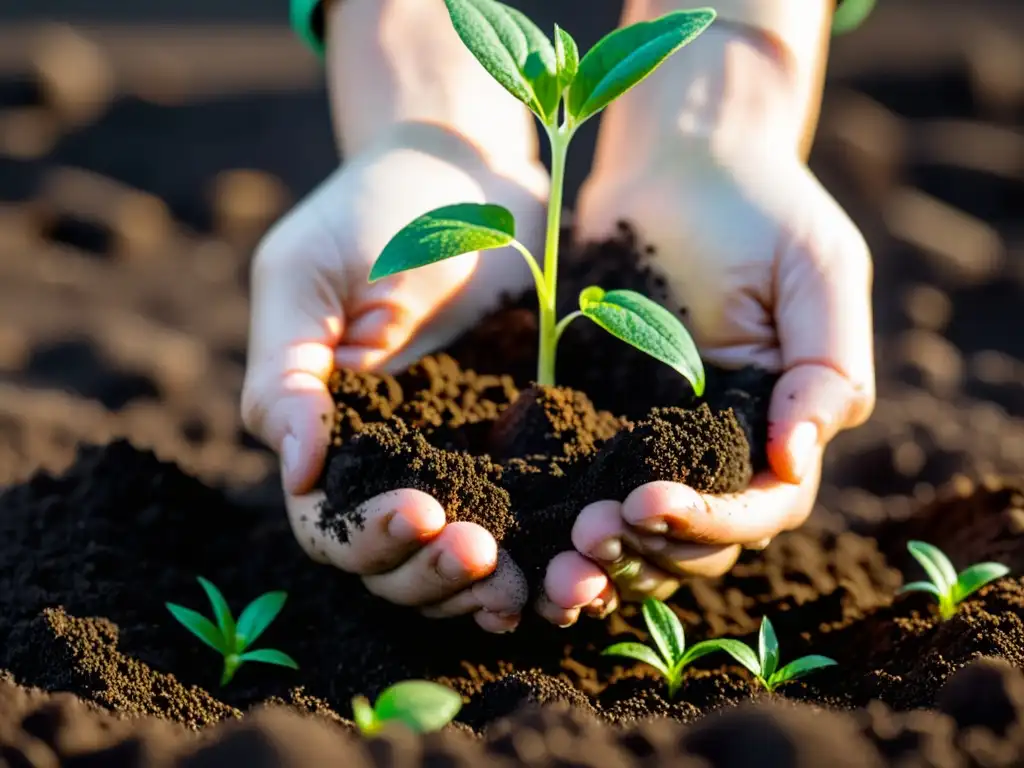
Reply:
x=523, y=462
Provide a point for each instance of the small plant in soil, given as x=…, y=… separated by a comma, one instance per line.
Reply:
x=231, y=639
x=420, y=705
x=765, y=665
x=672, y=655
x=949, y=587
x=564, y=91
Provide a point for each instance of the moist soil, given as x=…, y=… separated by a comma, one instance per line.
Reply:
x=126, y=474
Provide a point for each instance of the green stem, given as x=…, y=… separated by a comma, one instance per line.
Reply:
x=564, y=323
x=548, y=329
x=538, y=276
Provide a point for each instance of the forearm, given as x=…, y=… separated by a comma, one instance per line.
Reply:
x=755, y=76
x=396, y=62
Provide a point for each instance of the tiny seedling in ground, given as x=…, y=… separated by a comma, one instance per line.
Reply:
x=948, y=586
x=231, y=639
x=765, y=665
x=672, y=656
x=420, y=705
x=564, y=91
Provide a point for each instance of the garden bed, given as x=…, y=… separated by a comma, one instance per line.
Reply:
x=96, y=342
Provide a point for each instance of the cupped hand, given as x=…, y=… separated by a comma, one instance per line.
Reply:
x=772, y=273
x=313, y=309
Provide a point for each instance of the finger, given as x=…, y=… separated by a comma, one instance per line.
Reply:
x=684, y=560
x=461, y=554
x=295, y=324
x=766, y=507
x=394, y=526
x=597, y=532
x=571, y=583
x=824, y=321
x=497, y=600
x=636, y=579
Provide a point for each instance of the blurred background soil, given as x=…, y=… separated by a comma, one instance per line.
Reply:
x=145, y=147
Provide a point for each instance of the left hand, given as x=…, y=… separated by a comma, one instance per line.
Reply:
x=772, y=273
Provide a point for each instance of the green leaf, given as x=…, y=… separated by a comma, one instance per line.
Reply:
x=221, y=611
x=649, y=327
x=799, y=668
x=920, y=586
x=640, y=653
x=627, y=56
x=423, y=706
x=270, y=656
x=257, y=616
x=512, y=50
x=198, y=625
x=850, y=15
x=666, y=630
x=768, y=647
x=443, y=234
x=741, y=652
x=977, y=576
x=364, y=716
x=936, y=565
x=567, y=57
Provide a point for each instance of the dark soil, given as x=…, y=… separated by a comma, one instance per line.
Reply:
x=522, y=463
x=126, y=473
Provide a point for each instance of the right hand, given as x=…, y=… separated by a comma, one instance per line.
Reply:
x=313, y=309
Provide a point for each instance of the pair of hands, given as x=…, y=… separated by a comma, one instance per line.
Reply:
x=772, y=272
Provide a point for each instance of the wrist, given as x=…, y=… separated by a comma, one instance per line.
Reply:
x=736, y=89
x=398, y=62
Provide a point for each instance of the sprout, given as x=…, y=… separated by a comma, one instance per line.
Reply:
x=765, y=666
x=419, y=704
x=672, y=657
x=949, y=587
x=230, y=639
x=563, y=91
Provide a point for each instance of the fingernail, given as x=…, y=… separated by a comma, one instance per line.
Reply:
x=803, y=446
x=609, y=551
x=290, y=457
x=400, y=529
x=653, y=525
x=450, y=568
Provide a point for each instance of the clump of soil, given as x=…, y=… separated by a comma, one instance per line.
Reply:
x=521, y=459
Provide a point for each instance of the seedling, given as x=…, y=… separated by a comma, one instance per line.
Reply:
x=948, y=586
x=563, y=91
x=419, y=704
x=672, y=656
x=230, y=639
x=765, y=665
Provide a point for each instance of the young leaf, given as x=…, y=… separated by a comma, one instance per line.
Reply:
x=627, y=56
x=423, y=706
x=921, y=586
x=935, y=564
x=198, y=625
x=257, y=617
x=225, y=621
x=800, y=668
x=649, y=327
x=444, y=233
x=977, y=576
x=567, y=57
x=665, y=628
x=738, y=650
x=270, y=656
x=364, y=716
x=511, y=49
x=768, y=647
x=637, y=652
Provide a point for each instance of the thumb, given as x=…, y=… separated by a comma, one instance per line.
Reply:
x=823, y=317
x=296, y=322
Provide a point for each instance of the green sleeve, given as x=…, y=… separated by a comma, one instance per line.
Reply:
x=307, y=19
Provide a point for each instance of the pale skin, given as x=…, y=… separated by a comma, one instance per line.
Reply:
x=706, y=158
